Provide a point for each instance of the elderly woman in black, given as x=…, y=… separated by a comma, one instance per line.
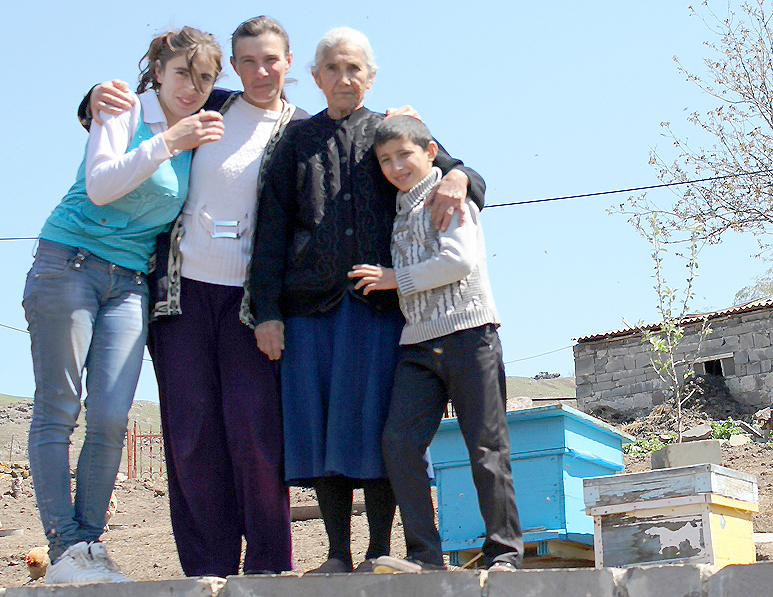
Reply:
x=325, y=207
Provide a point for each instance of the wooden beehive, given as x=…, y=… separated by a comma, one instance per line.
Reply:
x=691, y=514
x=552, y=449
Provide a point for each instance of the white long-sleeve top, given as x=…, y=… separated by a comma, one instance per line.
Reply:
x=111, y=171
x=223, y=188
x=442, y=280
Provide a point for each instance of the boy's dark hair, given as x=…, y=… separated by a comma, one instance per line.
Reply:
x=403, y=127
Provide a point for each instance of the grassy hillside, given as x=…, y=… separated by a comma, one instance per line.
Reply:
x=559, y=387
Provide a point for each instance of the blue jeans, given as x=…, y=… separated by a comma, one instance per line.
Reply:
x=84, y=313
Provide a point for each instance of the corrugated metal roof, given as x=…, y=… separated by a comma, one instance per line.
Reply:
x=755, y=305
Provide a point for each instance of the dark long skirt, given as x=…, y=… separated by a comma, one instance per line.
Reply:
x=337, y=375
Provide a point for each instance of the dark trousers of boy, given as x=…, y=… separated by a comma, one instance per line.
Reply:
x=466, y=368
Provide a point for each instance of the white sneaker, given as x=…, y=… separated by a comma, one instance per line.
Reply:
x=84, y=563
x=102, y=561
x=75, y=566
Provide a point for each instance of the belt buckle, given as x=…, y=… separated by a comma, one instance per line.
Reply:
x=218, y=233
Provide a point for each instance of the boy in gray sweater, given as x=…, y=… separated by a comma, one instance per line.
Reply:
x=451, y=351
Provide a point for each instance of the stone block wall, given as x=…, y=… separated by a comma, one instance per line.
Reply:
x=616, y=372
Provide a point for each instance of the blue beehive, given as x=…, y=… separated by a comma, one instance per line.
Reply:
x=553, y=448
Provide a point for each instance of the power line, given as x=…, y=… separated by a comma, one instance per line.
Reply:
x=10, y=327
x=563, y=197
x=539, y=355
x=631, y=190
x=506, y=362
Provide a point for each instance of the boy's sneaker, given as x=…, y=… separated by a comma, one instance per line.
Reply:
x=385, y=564
x=76, y=565
x=503, y=566
x=104, y=562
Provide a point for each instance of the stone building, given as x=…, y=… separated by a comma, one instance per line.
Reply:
x=614, y=371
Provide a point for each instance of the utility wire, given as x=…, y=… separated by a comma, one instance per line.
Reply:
x=10, y=327
x=631, y=190
x=506, y=362
x=539, y=355
x=581, y=196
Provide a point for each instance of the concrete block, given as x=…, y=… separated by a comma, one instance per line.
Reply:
x=685, y=454
x=584, y=365
x=741, y=580
x=423, y=584
x=604, y=386
x=750, y=383
x=186, y=587
x=583, y=390
x=643, y=360
x=580, y=582
x=661, y=581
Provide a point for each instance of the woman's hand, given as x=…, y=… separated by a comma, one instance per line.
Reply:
x=189, y=132
x=112, y=97
x=373, y=277
x=270, y=336
x=448, y=196
x=403, y=111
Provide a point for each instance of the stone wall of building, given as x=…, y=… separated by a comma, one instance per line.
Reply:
x=617, y=374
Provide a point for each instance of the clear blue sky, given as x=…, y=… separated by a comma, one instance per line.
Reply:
x=544, y=99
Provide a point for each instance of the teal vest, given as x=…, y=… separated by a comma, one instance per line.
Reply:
x=123, y=231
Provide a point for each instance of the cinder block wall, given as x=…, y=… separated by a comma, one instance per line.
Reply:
x=617, y=372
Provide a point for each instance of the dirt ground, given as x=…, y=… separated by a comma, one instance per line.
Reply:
x=140, y=538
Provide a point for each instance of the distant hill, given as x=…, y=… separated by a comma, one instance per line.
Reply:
x=558, y=387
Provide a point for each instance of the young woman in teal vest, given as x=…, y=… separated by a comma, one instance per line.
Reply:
x=86, y=296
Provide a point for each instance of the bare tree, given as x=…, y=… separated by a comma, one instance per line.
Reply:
x=736, y=188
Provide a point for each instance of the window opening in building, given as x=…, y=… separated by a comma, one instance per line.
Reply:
x=713, y=367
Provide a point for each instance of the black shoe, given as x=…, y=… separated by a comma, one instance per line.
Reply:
x=331, y=566
x=366, y=566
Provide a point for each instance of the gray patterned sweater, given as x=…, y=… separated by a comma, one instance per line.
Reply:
x=442, y=280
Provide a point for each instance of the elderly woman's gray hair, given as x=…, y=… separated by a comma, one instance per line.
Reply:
x=343, y=36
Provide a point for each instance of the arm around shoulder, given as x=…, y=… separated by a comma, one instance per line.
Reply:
x=112, y=170
x=455, y=258
x=476, y=186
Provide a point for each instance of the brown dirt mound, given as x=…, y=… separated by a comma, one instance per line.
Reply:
x=708, y=400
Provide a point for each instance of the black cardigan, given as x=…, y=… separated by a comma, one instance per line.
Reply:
x=326, y=206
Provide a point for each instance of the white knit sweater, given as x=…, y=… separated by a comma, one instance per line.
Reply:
x=223, y=185
x=442, y=280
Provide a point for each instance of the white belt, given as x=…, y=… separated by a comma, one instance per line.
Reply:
x=222, y=228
